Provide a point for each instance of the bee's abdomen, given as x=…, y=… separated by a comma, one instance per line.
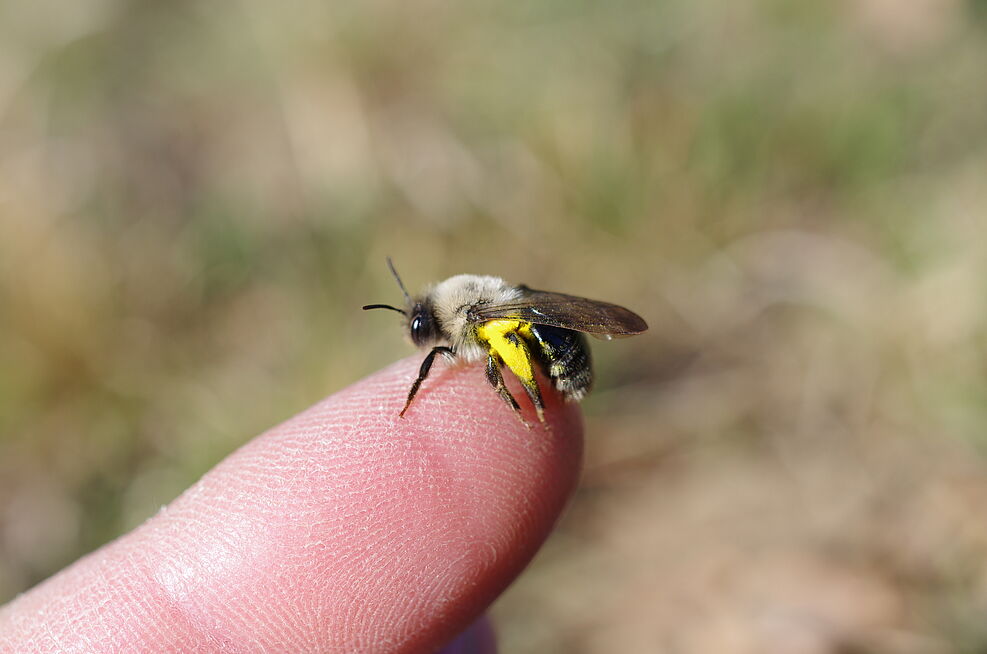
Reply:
x=565, y=355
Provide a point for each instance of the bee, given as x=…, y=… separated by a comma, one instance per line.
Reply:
x=474, y=317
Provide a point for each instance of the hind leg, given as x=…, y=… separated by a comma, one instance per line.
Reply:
x=527, y=374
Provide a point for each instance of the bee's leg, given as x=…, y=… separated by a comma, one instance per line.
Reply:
x=528, y=380
x=423, y=372
x=496, y=380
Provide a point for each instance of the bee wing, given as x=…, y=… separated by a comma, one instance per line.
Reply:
x=566, y=311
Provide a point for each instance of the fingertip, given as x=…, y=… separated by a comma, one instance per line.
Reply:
x=457, y=395
x=346, y=528
x=514, y=476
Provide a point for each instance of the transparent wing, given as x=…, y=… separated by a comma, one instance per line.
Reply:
x=567, y=311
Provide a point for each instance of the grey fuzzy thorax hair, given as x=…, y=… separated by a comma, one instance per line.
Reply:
x=453, y=298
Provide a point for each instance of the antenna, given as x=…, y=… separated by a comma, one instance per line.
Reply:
x=390, y=264
x=384, y=306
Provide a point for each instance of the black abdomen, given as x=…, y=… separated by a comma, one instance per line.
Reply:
x=565, y=355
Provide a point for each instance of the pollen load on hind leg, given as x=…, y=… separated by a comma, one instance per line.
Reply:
x=508, y=344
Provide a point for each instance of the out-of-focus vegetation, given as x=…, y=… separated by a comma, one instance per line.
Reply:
x=196, y=198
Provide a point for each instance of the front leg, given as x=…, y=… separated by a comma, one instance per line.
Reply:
x=423, y=372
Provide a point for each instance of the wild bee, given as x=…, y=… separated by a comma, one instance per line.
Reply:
x=476, y=317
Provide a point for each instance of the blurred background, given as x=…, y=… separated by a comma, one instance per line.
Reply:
x=196, y=198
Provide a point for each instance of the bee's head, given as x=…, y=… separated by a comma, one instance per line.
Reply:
x=422, y=326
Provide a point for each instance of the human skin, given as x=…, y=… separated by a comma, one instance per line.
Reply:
x=344, y=529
